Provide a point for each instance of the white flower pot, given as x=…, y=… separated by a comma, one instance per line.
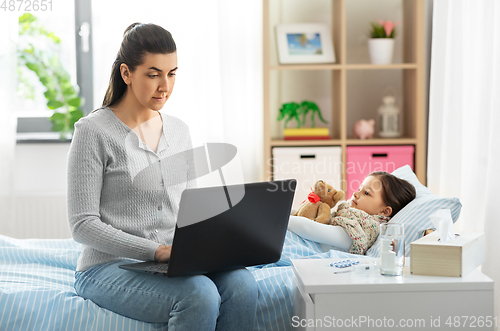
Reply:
x=381, y=50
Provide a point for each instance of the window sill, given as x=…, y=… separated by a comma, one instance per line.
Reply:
x=40, y=137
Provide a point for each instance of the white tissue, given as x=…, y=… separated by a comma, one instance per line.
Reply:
x=444, y=224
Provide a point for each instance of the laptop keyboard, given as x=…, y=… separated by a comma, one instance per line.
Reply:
x=160, y=267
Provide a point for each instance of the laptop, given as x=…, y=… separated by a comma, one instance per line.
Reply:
x=226, y=228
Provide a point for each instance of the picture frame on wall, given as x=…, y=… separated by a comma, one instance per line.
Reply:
x=304, y=43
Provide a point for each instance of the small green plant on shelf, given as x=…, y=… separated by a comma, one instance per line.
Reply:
x=381, y=29
x=293, y=110
x=61, y=95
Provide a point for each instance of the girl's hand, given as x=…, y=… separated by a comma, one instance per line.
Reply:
x=162, y=253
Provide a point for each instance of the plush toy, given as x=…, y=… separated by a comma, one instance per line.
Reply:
x=319, y=202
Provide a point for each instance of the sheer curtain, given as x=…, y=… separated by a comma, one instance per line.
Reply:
x=464, y=117
x=8, y=74
x=218, y=90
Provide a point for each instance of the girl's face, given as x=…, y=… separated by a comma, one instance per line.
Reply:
x=152, y=82
x=369, y=198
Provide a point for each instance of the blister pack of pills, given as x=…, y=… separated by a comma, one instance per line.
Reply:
x=344, y=263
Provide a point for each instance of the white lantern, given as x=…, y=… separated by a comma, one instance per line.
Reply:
x=390, y=118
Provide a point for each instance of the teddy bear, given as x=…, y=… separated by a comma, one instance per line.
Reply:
x=319, y=202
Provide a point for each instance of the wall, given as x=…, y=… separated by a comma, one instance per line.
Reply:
x=40, y=191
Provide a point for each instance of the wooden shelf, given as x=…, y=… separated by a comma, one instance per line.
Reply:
x=344, y=142
x=382, y=141
x=307, y=67
x=368, y=66
x=349, y=89
x=319, y=142
x=354, y=66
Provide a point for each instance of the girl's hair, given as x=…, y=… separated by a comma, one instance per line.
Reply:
x=396, y=192
x=138, y=39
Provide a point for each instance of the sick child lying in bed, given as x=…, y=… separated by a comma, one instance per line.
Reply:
x=356, y=221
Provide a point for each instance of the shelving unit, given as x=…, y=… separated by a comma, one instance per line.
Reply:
x=345, y=90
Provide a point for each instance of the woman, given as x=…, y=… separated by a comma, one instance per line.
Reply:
x=122, y=208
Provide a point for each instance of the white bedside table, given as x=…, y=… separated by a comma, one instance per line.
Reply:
x=326, y=301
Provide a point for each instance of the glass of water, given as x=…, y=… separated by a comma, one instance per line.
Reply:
x=392, y=249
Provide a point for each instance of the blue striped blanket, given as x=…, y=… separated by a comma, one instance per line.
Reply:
x=37, y=277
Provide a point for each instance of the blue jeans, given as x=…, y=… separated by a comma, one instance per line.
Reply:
x=216, y=301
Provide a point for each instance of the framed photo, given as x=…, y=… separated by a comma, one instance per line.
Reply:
x=304, y=43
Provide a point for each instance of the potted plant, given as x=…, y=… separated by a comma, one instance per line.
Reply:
x=381, y=43
x=61, y=95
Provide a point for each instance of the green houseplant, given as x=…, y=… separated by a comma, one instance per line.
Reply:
x=381, y=29
x=381, y=44
x=61, y=95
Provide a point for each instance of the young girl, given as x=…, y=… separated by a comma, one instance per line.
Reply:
x=356, y=222
x=120, y=216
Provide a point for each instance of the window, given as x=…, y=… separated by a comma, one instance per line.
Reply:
x=75, y=55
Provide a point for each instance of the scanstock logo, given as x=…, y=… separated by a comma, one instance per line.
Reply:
x=217, y=165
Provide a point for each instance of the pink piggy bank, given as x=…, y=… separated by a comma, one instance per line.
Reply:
x=364, y=129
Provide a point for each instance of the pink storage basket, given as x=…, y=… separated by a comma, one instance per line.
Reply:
x=363, y=160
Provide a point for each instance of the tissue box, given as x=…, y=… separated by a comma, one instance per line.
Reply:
x=455, y=258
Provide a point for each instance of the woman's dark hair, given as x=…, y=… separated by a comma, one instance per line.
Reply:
x=138, y=39
x=397, y=192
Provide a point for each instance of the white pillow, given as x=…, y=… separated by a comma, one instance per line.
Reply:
x=415, y=215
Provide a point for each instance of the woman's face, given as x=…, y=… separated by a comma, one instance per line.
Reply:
x=369, y=198
x=152, y=82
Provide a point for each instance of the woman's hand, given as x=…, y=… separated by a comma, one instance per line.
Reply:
x=162, y=253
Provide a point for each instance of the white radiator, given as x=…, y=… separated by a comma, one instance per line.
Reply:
x=40, y=215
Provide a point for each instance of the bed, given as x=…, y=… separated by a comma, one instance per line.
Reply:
x=37, y=276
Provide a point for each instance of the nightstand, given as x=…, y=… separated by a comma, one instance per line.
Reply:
x=324, y=300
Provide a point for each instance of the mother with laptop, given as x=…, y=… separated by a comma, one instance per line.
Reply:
x=121, y=208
